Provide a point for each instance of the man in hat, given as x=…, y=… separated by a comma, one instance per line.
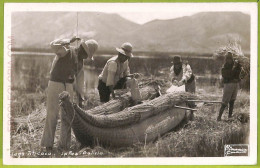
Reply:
x=64, y=68
x=181, y=73
x=116, y=75
x=85, y=52
x=231, y=77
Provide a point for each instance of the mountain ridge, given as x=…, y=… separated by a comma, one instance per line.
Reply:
x=201, y=32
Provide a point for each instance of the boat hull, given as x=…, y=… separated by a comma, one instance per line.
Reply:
x=144, y=131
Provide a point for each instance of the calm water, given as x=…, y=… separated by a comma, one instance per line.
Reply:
x=31, y=70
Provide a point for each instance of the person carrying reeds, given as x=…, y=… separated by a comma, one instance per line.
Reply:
x=181, y=74
x=116, y=75
x=66, y=65
x=231, y=77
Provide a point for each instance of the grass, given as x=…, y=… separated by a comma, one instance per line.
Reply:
x=203, y=136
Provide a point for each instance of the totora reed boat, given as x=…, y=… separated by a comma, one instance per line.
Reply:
x=125, y=126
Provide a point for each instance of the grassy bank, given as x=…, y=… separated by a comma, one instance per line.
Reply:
x=203, y=136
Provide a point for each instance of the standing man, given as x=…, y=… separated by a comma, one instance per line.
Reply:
x=85, y=51
x=181, y=73
x=65, y=66
x=231, y=78
x=116, y=75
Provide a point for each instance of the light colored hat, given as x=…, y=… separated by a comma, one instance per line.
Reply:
x=126, y=49
x=90, y=46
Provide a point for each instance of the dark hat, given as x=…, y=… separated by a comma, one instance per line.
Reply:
x=229, y=55
x=177, y=59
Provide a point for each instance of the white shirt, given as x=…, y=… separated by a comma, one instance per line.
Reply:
x=113, y=71
x=185, y=75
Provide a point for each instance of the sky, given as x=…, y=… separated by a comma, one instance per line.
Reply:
x=143, y=12
x=144, y=17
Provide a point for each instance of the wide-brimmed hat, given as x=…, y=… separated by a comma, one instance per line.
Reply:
x=126, y=49
x=90, y=46
x=177, y=60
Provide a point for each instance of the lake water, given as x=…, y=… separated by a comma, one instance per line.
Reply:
x=30, y=70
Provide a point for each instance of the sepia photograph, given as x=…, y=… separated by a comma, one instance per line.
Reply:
x=167, y=82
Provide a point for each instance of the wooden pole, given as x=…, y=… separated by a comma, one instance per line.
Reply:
x=205, y=101
x=186, y=108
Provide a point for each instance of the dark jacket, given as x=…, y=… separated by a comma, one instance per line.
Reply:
x=64, y=68
x=231, y=73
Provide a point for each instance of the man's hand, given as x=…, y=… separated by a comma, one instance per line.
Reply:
x=180, y=83
x=88, y=61
x=116, y=97
x=175, y=82
x=74, y=39
x=111, y=88
x=134, y=75
x=236, y=64
x=113, y=95
x=64, y=43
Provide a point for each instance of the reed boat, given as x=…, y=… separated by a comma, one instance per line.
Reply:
x=141, y=123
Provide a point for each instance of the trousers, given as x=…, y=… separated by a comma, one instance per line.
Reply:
x=53, y=110
x=230, y=92
x=191, y=88
x=123, y=83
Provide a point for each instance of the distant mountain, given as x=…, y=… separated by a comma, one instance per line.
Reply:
x=202, y=32
x=38, y=29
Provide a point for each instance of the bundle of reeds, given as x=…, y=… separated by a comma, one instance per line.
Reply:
x=233, y=46
x=134, y=114
x=31, y=122
x=116, y=105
